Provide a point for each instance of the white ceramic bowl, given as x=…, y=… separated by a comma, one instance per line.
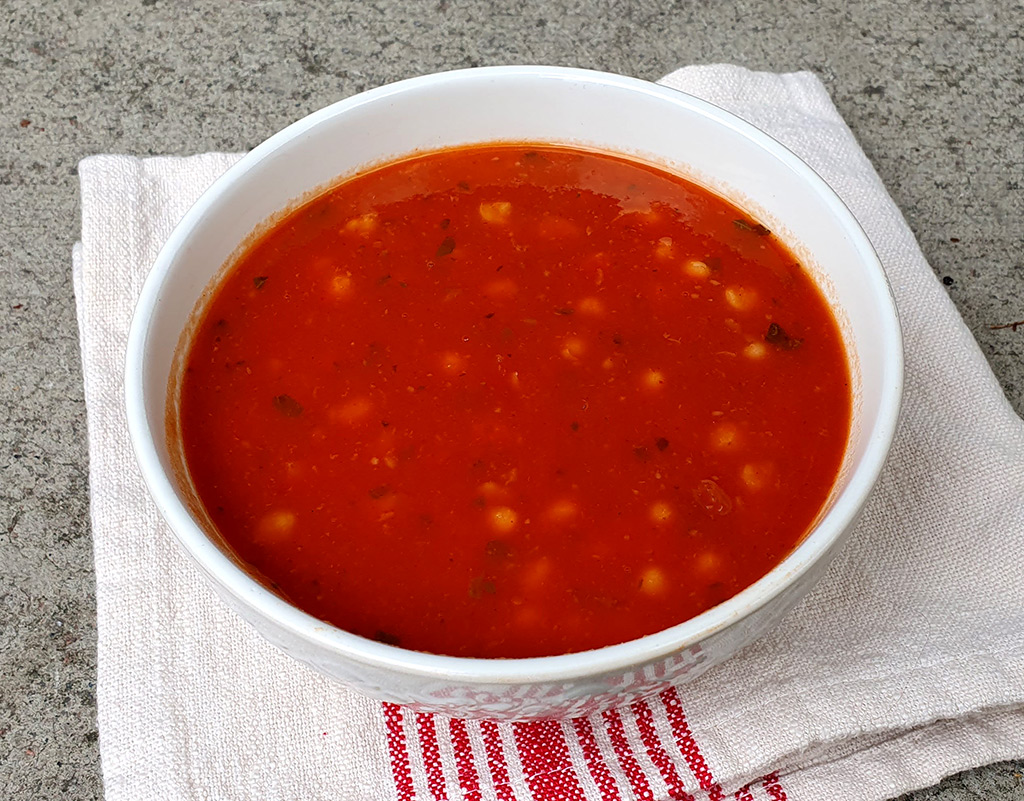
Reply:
x=591, y=109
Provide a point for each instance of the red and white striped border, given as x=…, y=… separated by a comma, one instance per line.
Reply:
x=642, y=752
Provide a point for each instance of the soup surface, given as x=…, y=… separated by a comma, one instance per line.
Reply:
x=510, y=401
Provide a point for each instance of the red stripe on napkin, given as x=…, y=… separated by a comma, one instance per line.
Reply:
x=773, y=787
x=541, y=760
x=398, y=752
x=688, y=745
x=468, y=779
x=431, y=756
x=744, y=794
x=659, y=756
x=544, y=754
x=624, y=753
x=595, y=764
x=496, y=760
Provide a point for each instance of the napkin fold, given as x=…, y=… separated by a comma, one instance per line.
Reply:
x=905, y=664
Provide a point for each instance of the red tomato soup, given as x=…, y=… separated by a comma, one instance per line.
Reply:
x=512, y=401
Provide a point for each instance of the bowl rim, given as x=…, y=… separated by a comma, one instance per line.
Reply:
x=512, y=671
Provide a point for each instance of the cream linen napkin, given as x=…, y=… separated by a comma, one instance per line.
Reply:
x=905, y=664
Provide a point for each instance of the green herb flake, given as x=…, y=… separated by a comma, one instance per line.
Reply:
x=498, y=549
x=480, y=586
x=777, y=336
x=259, y=281
x=754, y=228
x=446, y=247
x=386, y=637
x=287, y=405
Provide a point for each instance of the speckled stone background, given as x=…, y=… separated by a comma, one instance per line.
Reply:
x=934, y=91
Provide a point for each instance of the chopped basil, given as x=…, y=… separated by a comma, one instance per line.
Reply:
x=446, y=247
x=386, y=637
x=779, y=338
x=481, y=586
x=498, y=549
x=753, y=227
x=287, y=405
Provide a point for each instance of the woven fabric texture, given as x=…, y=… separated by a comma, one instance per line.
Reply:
x=906, y=663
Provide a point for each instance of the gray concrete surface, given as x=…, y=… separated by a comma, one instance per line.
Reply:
x=933, y=90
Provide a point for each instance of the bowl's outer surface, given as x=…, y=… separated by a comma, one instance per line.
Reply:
x=543, y=104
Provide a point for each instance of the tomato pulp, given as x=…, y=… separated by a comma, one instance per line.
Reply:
x=514, y=400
